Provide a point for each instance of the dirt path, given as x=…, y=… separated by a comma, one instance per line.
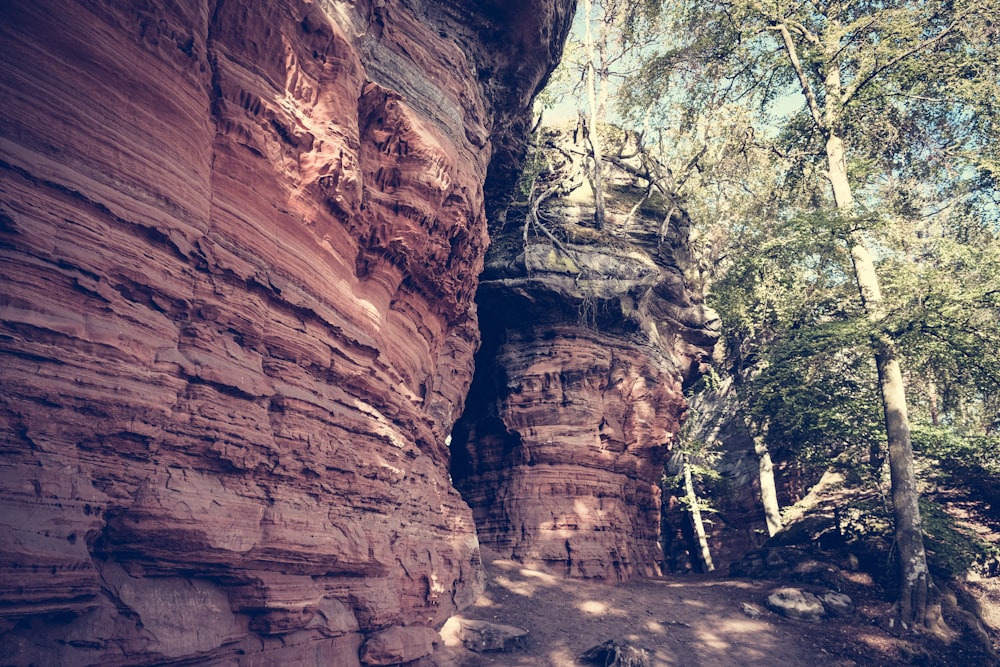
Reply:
x=694, y=621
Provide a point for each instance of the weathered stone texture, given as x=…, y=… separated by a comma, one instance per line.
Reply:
x=578, y=390
x=240, y=241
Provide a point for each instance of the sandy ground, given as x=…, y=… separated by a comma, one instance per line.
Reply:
x=686, y=620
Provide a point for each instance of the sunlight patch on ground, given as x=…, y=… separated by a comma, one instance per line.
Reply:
x=713, y=641
x=747, y=626
x=593, y=607
x=561, y=657
x=485, y=601
x=871, y=639
x=598, y=608
x=547, y=578
x=524, y=588
x=685, y=584
x=656, y=627
x=695, y=603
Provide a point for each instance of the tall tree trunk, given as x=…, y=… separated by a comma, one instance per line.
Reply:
x=915, y=584
x=932, y=399
x=765, y=474
x=594, y=120
x=768, y=489
x=699, y=526
x=915, y=581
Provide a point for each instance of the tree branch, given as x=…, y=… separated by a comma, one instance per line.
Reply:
x=860, y=83
x=793, y=57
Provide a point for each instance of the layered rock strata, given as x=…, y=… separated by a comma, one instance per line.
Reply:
x=588, y=338
x=240, y=243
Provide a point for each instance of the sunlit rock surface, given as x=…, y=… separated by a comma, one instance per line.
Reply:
x=587, y=343
x=240, y=244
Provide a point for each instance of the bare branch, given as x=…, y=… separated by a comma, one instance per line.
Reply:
x=807, y=90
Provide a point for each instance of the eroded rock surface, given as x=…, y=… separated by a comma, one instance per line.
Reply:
x=740, y=528
x=587, y=342
x=240, y=242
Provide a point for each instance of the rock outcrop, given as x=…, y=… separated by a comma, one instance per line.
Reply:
x=739, y=524
x=241, y=240
x=588, y=338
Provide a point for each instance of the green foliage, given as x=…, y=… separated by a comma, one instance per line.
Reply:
x=798, y=339
x=915, y=105
x=700, y=459
x=865, y=519
x=784, y=274
x=819, y=395
x=954, y=453
x=711, y=381
x=951, y=549
x=535, y=165
x=944, y=287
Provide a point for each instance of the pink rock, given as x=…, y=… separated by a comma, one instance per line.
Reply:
x=577, y=396
x=240, y=243
x=396, y=645
x=572, y=479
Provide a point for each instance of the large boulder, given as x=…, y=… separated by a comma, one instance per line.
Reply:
x=796, y=603
x=397, y=645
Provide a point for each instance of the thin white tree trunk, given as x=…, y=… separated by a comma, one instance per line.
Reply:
x=932, y=399
x=594, y=121
x=699, y=526
x=768, y=489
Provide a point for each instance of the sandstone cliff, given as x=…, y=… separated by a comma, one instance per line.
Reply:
x=241, y=241
x=588, y=337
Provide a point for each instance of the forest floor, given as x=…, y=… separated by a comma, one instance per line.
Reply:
x=713, y=620
x=700, y=621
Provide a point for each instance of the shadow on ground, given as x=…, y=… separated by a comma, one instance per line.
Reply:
x=694, y=621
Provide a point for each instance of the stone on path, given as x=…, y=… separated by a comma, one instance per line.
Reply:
x=615, y=654
x=483, y=636
x=796, y=603
x=837, y=604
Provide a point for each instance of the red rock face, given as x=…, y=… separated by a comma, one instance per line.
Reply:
x=566, y=474
x=578, y=389
x=240, y=245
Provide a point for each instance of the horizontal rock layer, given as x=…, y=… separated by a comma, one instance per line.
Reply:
x=240, y=241
x=577, y=397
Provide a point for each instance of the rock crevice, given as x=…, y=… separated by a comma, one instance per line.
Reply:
x=240, y=243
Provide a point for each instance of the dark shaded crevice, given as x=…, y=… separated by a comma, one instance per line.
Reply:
x=481, y=442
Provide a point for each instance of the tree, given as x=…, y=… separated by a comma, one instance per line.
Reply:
x=792, y=347
x=604, y=48
x=863, y=69
x=595, y=118
x=692, y=458
x=768, y=488
x=694, y=507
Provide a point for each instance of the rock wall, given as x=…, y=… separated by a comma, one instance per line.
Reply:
x=738, y=526
x=588, y=338
x=240, y=243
